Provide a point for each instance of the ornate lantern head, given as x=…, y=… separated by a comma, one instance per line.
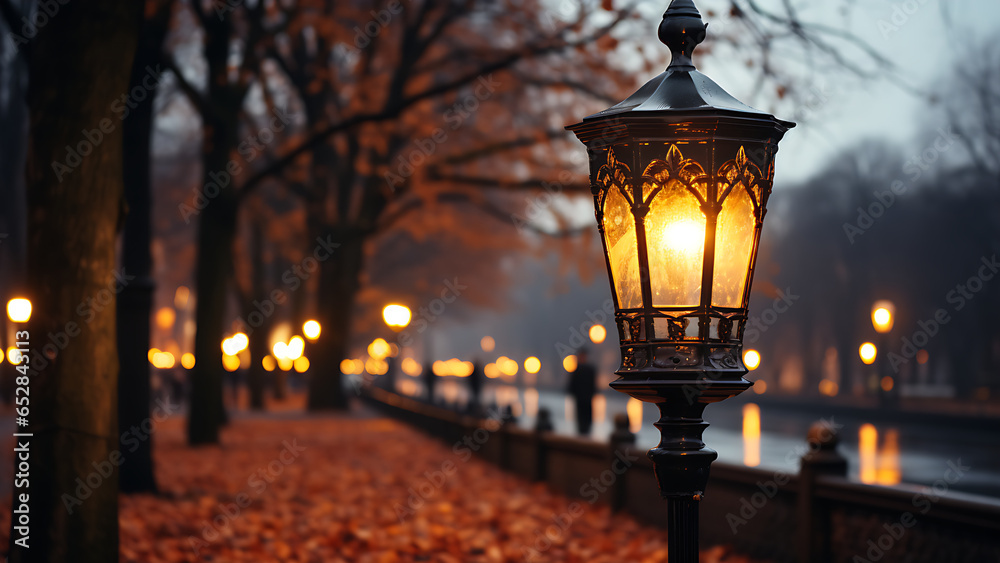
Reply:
x=681, y=172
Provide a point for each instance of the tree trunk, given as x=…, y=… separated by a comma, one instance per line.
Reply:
x=215, y=238
x=136, y=299
x=79, y=65
x=338, y=287
x=256, y=376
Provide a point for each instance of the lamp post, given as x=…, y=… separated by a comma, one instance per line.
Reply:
x=883, y=318
x=681, y=172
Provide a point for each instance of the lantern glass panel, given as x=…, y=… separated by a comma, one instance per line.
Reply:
x=623, y=254
x=675, y=240
x=733, y=248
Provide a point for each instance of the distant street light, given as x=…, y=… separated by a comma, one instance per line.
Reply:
x=19, y=310
x=597, y=334
x=681, y=173
x=883, y=316
x=868, y=352
x=397, y=317
x=532, y=365
x=311, y=329
x=751, y=358
x=487, y=344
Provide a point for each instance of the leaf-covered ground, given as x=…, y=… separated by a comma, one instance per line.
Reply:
x=355, y=489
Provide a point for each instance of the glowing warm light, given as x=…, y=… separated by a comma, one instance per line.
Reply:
x=301, y=364
x=269, y=363
x=867, y=450
x=684, y=236
x=19, y=310
x=887, y=384
x=675, y=227
x=829, y=388
x=889, y=472
x=408, y=387
x=295, y=348
x=453, y=367
x=569, y=363
x=487, y=344
x=634, y=410
x=231, y=363
x=597, y=334
x=187, y=360
x=882, y=316
x=379, y=349
x=751, y=435
x=751, y=359
x=311, y=329
x=491, y=371
x=164, y=360
x=411, y=367
x=532, y=365
x=14, y=356
x=397, y=317
x=922, y=356
x=507, y=366
x=284, y=364
x=347, y=367
x=181, y=297
x=229, y=347
x=375, y=366
x=152, y=352
x=165, y=318
x=760, y=387
x=868, y=352
x=280, y=350
x=241, y=341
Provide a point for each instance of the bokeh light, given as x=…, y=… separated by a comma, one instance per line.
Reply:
x=19, y=310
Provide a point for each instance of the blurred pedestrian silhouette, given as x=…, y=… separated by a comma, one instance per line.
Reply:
x=475, y=386
x=429, y=380
x=582, y=386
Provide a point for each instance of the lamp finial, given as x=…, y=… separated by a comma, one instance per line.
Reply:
x=682, y=29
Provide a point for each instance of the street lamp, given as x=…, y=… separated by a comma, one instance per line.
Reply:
x=883, y=317
x=681, y=172
x=397, y=317
x=19, y=310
